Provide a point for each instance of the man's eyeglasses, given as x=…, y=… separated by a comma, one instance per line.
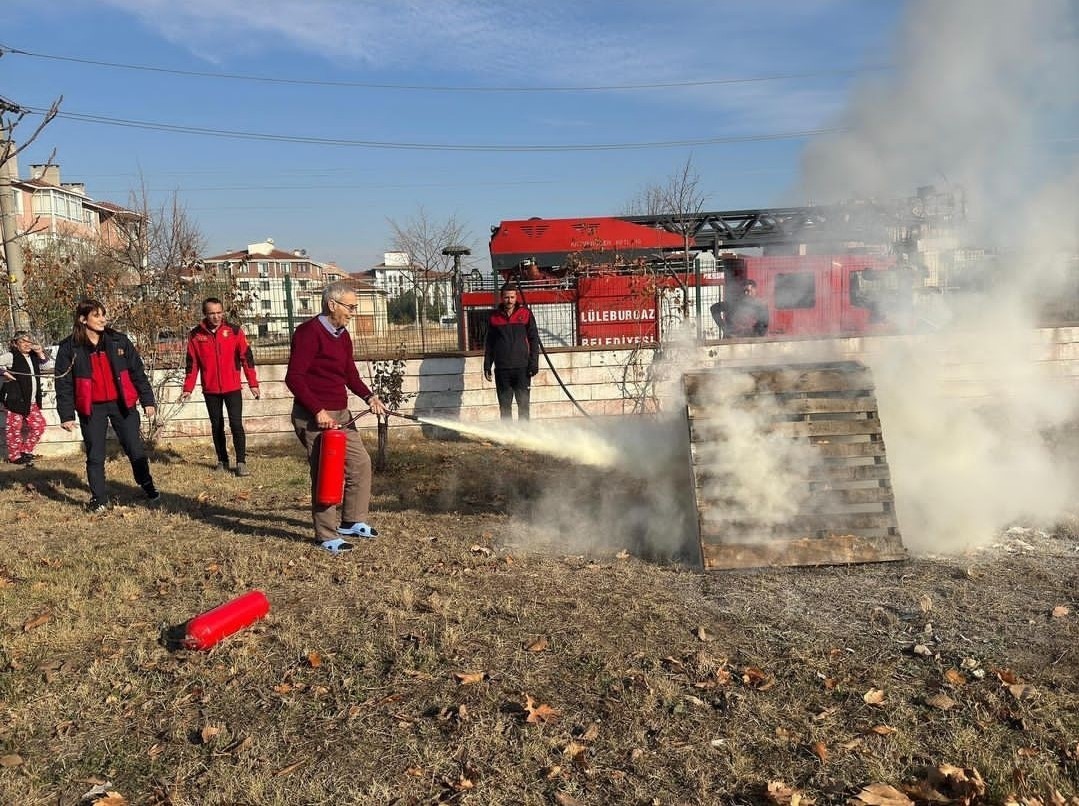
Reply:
x=351, y=308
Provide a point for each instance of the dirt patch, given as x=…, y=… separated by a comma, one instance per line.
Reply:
x=478, y=651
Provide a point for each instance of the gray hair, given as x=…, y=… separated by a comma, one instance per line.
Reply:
x=21, y=334
x=333, y=293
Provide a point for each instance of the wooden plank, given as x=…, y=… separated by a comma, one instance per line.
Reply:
x=865, y=426
x=781, y=380
x=825, y=473
x=808, y=523
x=826, y=405
x=827, y=428
x=848, y=450
x=830, y=550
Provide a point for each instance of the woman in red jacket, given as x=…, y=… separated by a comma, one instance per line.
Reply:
x=100, y=377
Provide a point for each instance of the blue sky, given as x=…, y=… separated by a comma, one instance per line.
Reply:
x=334, y=201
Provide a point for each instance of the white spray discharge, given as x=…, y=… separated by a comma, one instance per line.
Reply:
x=982, y=101
x=577, y=443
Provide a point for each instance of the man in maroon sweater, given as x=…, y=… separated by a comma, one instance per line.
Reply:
x=321, y=372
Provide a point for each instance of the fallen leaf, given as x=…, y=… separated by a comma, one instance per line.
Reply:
x=881, y=795
x=1006, y=676
x=209, y=733
x=469, y=678
x=314, y=660
x=780, y=794
x=538, y=645
x=674, y=663
x=955, y=677
x=36, y=621
x=874, y=696
x=940, y=700
x=926, y=604
x=1060, y=611
x=563, y=799
x=478, y=549
x=922, y=651
x=883, y=730
x=820, y=750
x=591, y=734
x=111, y=798
x=10, y=760
x=539, y=713
x=850, y=744
x=622, y=555
x=282, y=688
x=1021, y=691
x=827, y=712
x=757, y=678
x=702, y=635
x=949, y=784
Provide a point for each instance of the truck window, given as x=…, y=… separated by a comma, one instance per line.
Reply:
x=795, y=291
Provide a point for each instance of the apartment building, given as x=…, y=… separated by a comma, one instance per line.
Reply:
x=280, y=286
x=50, y=212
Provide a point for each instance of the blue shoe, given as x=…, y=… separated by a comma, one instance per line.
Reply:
x=336, y=546
x=358, y=530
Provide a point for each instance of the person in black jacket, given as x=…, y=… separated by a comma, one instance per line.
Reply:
x=512, y=347
x=100, y=377
x=21, y=396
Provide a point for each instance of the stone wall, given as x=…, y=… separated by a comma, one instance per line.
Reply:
x=604, y=382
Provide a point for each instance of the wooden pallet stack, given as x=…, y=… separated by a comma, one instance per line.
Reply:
x=821, y=421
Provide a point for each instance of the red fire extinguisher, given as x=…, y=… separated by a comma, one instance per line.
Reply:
x=207, y=629
x=330, y=489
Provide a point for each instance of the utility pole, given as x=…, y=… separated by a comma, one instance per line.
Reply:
x=8, y=228
x=456, y=252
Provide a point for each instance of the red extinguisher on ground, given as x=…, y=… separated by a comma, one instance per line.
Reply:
x=330, y=482
x=207, y=629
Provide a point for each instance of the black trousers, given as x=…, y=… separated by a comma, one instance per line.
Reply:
x=510, y=385
x=94, y=431
x=233, y=402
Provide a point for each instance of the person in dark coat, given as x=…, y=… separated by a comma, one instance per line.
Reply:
x=100, y=378
x=512, y=349
x=21, y=395
x=744, y=316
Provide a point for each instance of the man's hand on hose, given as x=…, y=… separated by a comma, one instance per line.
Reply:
x=377, y=407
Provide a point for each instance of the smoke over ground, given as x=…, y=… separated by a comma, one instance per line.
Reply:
x=978, y=101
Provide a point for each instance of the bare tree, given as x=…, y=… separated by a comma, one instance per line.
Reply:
x=11, y=115
x=677, y=203
x=423, y=240
x=158, y=252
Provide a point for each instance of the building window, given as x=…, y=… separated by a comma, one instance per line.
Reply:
x=795, y=291
x=303, y=285
x=245, y=285
x=285, y=266
x=264, y=285
x=266, y=304
x=303, y=268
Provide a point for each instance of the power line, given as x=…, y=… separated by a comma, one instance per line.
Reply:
x=311, y=82
x=404, y=146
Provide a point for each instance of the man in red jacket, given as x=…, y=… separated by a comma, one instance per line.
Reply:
x=321, y=372
x=512, y=348
x=219, y=351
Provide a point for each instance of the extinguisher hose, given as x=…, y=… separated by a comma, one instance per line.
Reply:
x=550, y=364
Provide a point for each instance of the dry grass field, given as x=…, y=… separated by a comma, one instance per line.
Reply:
x=456, y=659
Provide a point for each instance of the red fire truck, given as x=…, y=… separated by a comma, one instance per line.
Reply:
x=621, y=280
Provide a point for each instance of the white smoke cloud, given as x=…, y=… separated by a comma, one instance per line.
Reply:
x=979, y=99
